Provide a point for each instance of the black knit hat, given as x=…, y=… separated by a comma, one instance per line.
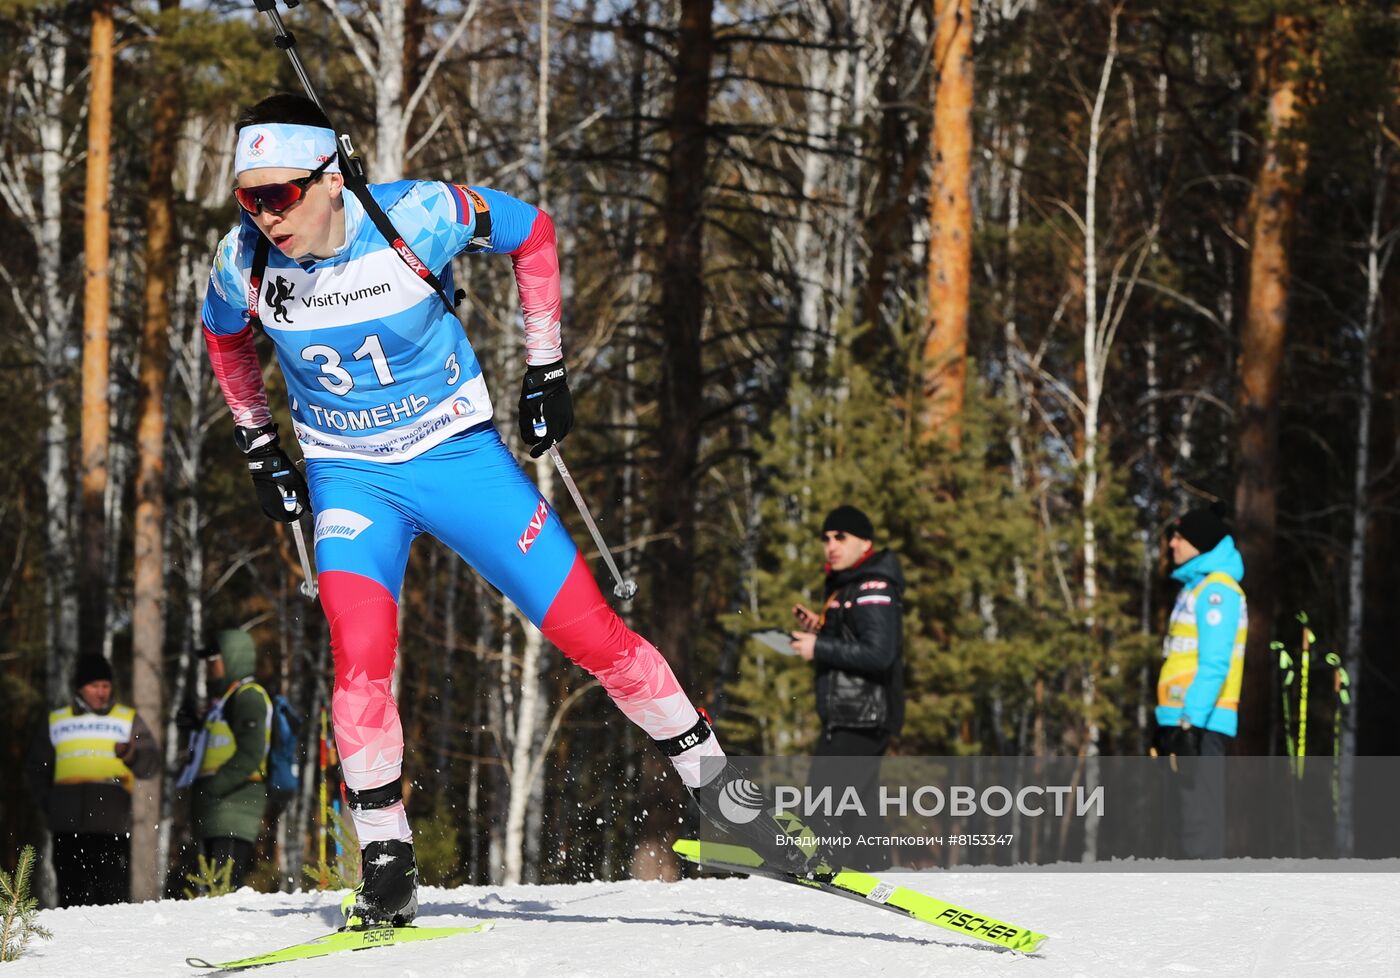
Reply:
x=1202, y=528
x=848, y=519
x=91, y=668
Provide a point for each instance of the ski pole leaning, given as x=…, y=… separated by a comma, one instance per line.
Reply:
x=1285, y=665
x=287, y=42
x=1341, y=689
x=624, y=589
x=308, y=579
x=1308, y=639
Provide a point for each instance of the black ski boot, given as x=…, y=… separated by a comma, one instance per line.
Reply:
x=388, y=890
x=747, y=812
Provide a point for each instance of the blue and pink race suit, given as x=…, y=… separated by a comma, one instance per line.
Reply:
x=394, y=419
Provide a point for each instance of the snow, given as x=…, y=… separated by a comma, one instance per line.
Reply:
x=1102, y=925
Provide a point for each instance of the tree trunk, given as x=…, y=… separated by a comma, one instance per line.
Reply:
x=96, y=310
x=523, y=747
x=188, y=383
x=815, y=240
x=447, y=690
x=49, y=327
x=681, y=390
x=148, y=585
x=898, y=164
x=1095, y=344
x=1097, y=341
x=390, y=122
x=524, y=760
x=1379, y=249
x=683, y=311
x=51, y=334
x=522, y=755
x=950, y=217
x=1273, y=203
x=397, y=26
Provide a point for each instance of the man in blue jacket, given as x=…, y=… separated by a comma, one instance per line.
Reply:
x=1198, y=690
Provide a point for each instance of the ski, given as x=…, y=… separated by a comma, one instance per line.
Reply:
x=342, y=940
x=869, y=890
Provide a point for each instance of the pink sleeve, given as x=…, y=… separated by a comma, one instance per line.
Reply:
x=536, y=264
x=235, y=361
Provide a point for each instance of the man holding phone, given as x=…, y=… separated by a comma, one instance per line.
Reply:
x=856, y=646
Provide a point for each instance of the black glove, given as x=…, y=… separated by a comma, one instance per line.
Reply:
x=1188, y=742
x=188, y=718
x=281, y=490
x=1178, y=740
x=546, y=407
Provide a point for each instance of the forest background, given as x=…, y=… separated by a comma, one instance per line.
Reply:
x=1022, y=279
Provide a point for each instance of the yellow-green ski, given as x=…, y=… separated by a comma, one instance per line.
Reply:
x=342, y=940
x=862, y=886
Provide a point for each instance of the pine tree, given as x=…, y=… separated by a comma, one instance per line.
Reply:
x=344, y=873
x=993, y=651
x=210, y=879
x=18, y=909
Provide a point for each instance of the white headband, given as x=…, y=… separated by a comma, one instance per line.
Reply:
x=281, y=145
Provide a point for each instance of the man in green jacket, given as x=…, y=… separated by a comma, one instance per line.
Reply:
x=228, y=757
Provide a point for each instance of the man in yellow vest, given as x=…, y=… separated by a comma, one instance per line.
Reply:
x=1198, y=690
x=228, y=756
x=81, y=764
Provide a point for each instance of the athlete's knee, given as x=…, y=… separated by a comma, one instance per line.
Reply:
x=584, y=627
x=596, y=641
x=363, y=618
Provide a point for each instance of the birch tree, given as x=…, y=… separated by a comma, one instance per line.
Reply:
x=1379, y=249
x=31, y=187
x=833, y=114
x=527, y=757
x=383, y=60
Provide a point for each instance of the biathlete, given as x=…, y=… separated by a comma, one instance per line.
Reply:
x=395, y=423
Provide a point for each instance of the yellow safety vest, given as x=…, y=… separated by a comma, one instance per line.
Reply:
x=84, y=745
x=220, y=744
x=1183, y=641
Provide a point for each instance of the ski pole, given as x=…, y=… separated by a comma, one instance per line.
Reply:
x=287, y=41
x=1285, y=664
x=624, y=589
x=308, y=584
x=1342, y=679
x=1341, y=689
x=1308, y=639
x=1343, y=696
x=325, y=806
x=308, y=580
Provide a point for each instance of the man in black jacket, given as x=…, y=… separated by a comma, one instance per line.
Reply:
x=857, y=646
x=81, y=763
